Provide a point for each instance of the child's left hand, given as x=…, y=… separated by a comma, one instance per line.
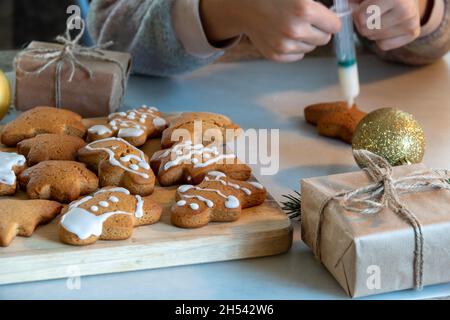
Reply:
x=400, y=22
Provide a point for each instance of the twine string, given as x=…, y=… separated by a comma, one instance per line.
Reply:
x=383, y=193
x=70, y=53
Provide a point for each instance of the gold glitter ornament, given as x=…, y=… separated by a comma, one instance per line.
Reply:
x=392, y=134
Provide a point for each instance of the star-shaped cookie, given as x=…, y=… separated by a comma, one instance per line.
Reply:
x=217, y=199
x=42, y=120
x=135, y=126
x=63, y=181
x=334, y=119
x=203, y=127
x=21, y=217
x=187, y=162
x=50, y=146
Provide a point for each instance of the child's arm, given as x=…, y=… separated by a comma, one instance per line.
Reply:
x=168, y=37
x=146, y=29
x=410, y=34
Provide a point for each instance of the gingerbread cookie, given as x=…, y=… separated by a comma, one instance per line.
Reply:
x=186, y=162
x=198, y=126
x=109, y=214
x=41, y=120
x=334, y=119
x=217, y=199
x=50, y=147
x=119, y=164
x=21, y=217
x=11, y=164
x=134, y=126
x=63, y=181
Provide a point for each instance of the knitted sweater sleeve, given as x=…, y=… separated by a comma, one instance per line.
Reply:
x=145, y=29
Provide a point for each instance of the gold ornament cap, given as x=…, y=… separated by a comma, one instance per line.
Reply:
x=392, y=134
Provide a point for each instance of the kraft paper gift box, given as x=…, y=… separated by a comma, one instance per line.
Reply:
x=97, y=96
x=375, y=253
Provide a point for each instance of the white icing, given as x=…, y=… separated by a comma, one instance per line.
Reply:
x=187, y=151
x=115, y=189
x=219, y=175
x=103, y=204
x=185, y=188
x=114, y=161
x=130, y=133
x=208, y=202
x=232, y=202
x=8, y=161
x=181, y=203
x=139, y=213
x=159, y=122
x=194, y=206
x=257, y=185
x=134, y=167
x=99, y=130
x=85, y=224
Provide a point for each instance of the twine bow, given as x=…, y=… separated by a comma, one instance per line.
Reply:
x=384, y=193
x=71, y=52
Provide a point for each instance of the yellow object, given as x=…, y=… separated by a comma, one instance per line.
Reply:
x=392, y=134
x=5, y=95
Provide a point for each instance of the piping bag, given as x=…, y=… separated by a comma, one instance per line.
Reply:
x=344, y=45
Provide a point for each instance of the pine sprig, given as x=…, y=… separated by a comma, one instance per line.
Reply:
x=292, y=205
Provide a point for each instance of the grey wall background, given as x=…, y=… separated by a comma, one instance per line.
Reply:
x=24, y=20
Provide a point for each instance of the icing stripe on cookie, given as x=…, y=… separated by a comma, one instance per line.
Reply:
x=118, y=163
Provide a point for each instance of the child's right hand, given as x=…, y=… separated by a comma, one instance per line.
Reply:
x=282, y=30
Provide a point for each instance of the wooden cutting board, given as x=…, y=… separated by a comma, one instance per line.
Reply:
x=261, y=231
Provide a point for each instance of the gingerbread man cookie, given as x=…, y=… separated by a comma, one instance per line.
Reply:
x=201, y=124
x=63, y=181
x=41, y=120
x=217, y=199
x=134, y=126
x=11, y=164
x=187, y=162
x=21, y=217
x=119, y=164
x=50, y=147
x=109, y=214
x=334, y=119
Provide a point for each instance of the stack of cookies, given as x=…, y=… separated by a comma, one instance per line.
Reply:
x=100, y=180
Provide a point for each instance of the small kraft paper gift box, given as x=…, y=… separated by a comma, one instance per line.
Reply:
x=382, y=229
x=88, y=81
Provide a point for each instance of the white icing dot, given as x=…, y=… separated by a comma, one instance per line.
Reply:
x=94, y=208
x=113, y=199
x=159, y=122
x=181, y=203
x=232, y=202
x=134, y=166
x=194, y=206
x=194, y=160
x=103, y=204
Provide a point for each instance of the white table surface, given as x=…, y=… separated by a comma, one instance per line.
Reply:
x=261, y=94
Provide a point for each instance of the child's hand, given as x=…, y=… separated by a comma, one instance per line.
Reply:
x=282, y=30
x=400, y=22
